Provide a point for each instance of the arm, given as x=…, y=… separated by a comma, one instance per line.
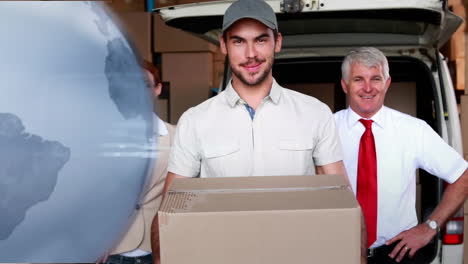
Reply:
x=338, y=168
x=417, y=237
x=103, y=258
x=333, y=168
x=155, y=225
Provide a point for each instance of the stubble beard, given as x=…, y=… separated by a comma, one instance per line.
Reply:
x=262, y=77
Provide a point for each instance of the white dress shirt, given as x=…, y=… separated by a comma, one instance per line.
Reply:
x=403, y=144
x=289, y=134
x=160, y=129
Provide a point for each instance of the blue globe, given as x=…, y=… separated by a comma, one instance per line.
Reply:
x=76, y=131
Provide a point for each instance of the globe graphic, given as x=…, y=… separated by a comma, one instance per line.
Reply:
x=76, y=131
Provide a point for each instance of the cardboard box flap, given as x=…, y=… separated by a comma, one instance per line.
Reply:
x=257, y=182
x=320, y=192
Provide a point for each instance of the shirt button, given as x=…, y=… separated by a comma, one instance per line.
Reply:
x=138, y=206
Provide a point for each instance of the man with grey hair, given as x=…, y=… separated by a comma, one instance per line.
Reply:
x=382, y=149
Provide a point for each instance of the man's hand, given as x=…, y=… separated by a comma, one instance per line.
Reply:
x=417, y=237
x=411, y=241
x=103, y=258
x=155, y=247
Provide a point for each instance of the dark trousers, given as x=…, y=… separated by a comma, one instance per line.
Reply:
x=380, y=255
x=119, y=259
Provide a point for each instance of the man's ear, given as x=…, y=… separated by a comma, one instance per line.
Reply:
x=222, y=45
x=388, y=82
x=344, y=86
x=157, y=89
x=278, y=42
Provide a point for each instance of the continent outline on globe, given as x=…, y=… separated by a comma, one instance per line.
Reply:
x=26, y=160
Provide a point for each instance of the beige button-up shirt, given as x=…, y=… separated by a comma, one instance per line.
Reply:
x=290, y=134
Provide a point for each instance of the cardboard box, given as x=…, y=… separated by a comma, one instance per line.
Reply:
x=270, y=220
x=460, y=76
x=138, y=26
x=169, y=39
x=190, y=75
x=457, y=41
x=466, y=59
x=126, y=5
x=402, y=97
x=325, y=92
x=218, y=68
x=465, y=211
x=163, y=3
x=161, y=107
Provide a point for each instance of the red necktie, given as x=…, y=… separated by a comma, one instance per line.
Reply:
x=367, y=181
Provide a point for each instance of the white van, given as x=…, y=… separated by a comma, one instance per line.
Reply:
x=316, y=36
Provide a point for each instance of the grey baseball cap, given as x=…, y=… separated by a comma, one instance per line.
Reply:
x=255, y=9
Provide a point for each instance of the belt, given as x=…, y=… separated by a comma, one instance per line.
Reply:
x=138, y=259
x=382, y=250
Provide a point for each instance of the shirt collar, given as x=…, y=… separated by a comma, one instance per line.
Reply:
x=233, y=97
x=159, y=127
x=231, y=94
x=378, y=118
x=275, y=92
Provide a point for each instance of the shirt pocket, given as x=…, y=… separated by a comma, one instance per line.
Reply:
x=295, y=145
x=218, y=151
x=296, y=157
x=221, y=160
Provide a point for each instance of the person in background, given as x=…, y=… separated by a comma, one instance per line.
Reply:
x=135, y=246
x=382, y=149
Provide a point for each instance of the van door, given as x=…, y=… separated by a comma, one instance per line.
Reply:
x=334, y=23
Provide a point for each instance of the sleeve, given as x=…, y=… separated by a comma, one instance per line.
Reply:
x=438, y=158
x=328, y=146
x=184, y=158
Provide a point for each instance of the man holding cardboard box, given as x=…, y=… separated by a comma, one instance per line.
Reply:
x=255, y=127
x=383, y=148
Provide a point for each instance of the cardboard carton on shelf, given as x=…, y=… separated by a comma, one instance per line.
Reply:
x=163, y=3
x=138, y=27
